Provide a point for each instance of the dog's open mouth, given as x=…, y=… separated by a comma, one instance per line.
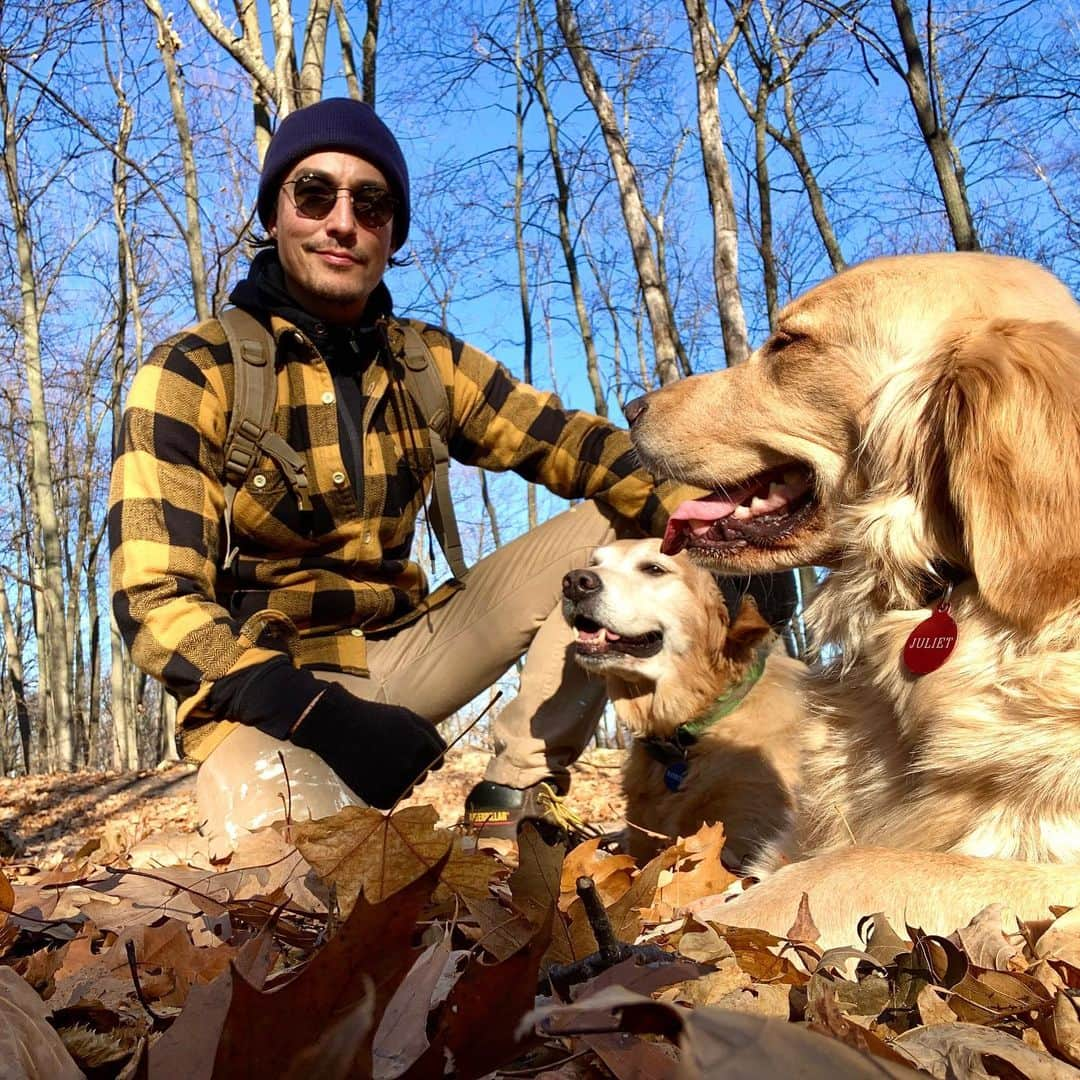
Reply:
x=761, y=512
x=594, y=640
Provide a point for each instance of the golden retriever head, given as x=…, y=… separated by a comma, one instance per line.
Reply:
x=658, y=621
x=910, y=412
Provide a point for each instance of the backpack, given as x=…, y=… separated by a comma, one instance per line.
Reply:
x=255, y=396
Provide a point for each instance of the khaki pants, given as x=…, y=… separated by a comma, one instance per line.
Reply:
x=511, y=607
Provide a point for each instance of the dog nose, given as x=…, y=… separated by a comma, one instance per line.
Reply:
x=579, y=583
x=634, y=409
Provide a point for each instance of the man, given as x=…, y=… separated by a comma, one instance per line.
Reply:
x=318, y=632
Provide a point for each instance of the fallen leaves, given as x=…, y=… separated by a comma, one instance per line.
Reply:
x=27, y=1042
x=377, y=945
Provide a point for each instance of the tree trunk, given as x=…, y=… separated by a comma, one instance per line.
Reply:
x=54, y=635
x=665, y=333
x=126, y=753
x=943, y=151
x=166, y=748
x=792, y=142
x=524, y=298
x=313, y=59
x=707, y=63
x=168, y=43
x=764, y=190
x=348, y=56
x=562, y=203
x=15, y=676
x=371, y=44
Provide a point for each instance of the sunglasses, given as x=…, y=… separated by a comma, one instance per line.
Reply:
x=314, y=198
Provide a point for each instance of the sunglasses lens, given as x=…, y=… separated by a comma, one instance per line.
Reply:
x=373, y=207
x=313, y=198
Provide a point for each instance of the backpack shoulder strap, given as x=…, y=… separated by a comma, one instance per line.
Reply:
x=251, y=424
x=424, y=383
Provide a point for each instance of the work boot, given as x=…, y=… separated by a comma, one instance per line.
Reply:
x=498, y=811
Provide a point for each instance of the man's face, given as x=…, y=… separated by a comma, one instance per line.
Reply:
x=331, y=266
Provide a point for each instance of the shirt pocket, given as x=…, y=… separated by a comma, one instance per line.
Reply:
x=267, y=515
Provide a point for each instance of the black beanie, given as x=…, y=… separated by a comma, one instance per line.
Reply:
x=336, y=124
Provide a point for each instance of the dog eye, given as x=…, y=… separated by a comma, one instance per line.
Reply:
x=654, y=569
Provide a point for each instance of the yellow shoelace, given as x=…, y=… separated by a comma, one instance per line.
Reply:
x=558, y=811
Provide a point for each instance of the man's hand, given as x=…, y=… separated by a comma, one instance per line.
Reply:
x=379, y=750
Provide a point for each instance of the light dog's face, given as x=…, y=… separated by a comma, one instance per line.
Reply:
x=924, y=405
x=634, y=610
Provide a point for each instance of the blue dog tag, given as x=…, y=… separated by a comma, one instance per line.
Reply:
x=675, y=774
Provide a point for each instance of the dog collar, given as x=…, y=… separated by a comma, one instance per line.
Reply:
x=672, y=750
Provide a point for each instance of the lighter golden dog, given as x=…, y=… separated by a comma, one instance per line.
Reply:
x=711, y=701
x=913, y=424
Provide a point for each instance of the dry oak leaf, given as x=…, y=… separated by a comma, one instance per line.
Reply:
x=29, y=1048
x=825, y=1013
x=534, y=885
x=7, y=898
x=985, y=941
x=402, y=1034
x=1061, y=1029
x=501, y=931
x=698, y=871
x=714, y=1042
x=628, y=1055
x=360, y=849
x=167, y=961
x=1061, y=940
x=970, y=1050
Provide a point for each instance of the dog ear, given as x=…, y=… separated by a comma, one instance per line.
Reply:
x=1000, y=464
x=747, y=631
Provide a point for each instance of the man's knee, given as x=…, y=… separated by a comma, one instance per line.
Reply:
x=252, y=780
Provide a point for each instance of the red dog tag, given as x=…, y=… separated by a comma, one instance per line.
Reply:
x=930, y=644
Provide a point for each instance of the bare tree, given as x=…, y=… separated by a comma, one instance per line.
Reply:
x=53, y=633
x=776, y=53
x=915, y=67
x=665, y=332
x=14, y=680
x=709, y=55
x=168, y=43
x=562, y=205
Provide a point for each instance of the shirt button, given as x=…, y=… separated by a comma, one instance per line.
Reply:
x=338, y=478
x=356, y=632
x=328, y=398
x=259, y=480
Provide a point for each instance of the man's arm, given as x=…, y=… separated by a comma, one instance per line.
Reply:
x=506, y=424
x=165, y=507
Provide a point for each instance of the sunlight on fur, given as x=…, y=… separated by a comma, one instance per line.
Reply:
x=924, y=415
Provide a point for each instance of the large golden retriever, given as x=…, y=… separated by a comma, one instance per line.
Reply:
x=712, y=702
x=913, y=424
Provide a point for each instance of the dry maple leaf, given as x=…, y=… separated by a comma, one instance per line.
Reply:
x=231, y=1028
x=611, y=874
x=478, y=1027
x=698, y=871
x=359, y=849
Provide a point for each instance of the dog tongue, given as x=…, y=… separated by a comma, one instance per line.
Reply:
x=699, y=515
x=711, y=508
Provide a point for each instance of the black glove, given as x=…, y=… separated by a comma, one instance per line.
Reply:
x=379, y=750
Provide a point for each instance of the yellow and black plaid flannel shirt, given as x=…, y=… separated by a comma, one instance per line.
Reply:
x=343, y=569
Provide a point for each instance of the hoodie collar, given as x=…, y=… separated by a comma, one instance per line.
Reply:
x=264, y=289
